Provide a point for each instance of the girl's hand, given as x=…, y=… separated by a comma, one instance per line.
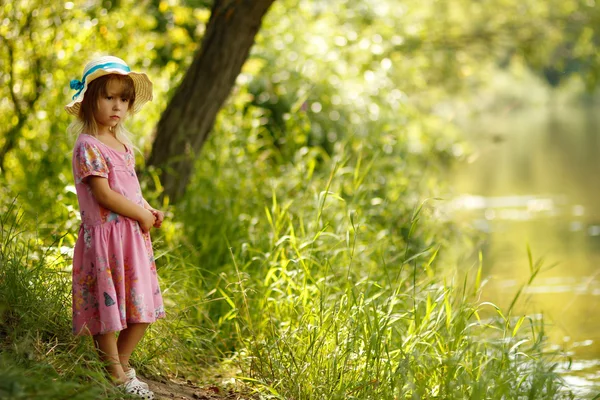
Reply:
x=159, y=215
x=147, y=221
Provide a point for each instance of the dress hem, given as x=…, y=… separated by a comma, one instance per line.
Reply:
x=86, y=332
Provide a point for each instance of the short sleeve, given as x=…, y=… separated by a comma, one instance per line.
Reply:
x=88, y=161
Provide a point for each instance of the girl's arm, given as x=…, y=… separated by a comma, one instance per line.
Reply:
x=120, y=204
x=147, y=205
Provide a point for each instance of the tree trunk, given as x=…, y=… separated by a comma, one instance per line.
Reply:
x=188, y=119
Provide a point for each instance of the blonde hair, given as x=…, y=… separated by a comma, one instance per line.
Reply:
x=86, y=122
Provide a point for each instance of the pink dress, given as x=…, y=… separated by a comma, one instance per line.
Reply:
x=114, y=274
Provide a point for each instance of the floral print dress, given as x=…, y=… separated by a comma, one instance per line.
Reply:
x=114, y=274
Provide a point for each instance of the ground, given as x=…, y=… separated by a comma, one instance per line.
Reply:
x=179, y=389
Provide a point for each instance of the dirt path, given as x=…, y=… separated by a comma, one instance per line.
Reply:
x=187, y=390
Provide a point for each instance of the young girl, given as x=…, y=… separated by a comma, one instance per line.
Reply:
x=115, y=287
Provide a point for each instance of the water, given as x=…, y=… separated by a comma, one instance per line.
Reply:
x=534, y=178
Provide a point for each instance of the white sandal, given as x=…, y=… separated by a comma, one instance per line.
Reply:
x=131, y=375
x=134, y=387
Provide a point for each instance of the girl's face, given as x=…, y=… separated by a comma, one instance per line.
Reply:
x=112, y=106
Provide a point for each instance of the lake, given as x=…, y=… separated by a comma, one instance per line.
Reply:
x=534, y=179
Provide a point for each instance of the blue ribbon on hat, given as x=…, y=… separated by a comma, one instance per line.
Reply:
x=79, y=85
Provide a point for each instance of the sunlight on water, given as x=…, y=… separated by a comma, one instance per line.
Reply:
x=534, y=180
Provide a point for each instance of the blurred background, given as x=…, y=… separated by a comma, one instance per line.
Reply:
x=489, y=106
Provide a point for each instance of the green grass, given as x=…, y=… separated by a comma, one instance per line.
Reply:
x=323, y=278
x=318, y=291
x=39, y=357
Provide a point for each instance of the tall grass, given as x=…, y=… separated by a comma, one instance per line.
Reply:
x=389, y=331
x=39, y=357
x=322, y=278
x=324, y=287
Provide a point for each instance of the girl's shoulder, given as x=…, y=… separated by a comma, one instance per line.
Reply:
x=87, y=141
x=85, y=138
x=86, y=145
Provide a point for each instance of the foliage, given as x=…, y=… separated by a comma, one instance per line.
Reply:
x=328, y=282
x=304, y=251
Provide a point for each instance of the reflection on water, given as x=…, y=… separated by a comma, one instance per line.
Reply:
x=535, y=180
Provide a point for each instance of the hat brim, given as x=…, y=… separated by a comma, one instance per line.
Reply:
x=141, y=83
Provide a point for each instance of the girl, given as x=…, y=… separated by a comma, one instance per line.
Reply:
x=115, y=287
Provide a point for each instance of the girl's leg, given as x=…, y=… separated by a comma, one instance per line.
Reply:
x=128, y=339
x=106, y=344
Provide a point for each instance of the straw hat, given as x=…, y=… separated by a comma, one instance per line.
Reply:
x=110, y=65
